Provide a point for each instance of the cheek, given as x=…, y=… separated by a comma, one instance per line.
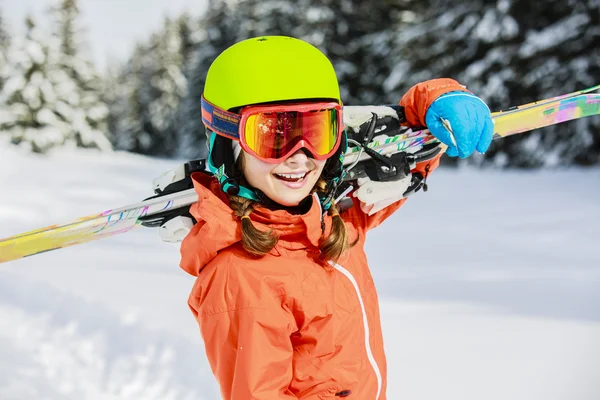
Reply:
x=320, y=165
x=256, y=171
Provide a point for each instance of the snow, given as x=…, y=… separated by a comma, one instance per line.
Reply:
x=489, y=287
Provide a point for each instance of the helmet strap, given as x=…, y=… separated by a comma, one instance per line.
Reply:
x=222, y=164
x=334, y=173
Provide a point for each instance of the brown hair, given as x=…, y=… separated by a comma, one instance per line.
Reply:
x=258, y=243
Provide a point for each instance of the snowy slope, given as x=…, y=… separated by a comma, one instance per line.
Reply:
x=489, y=286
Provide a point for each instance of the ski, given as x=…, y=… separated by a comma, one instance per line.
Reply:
x=514, y=120
x=389, y=137
x=93, y=227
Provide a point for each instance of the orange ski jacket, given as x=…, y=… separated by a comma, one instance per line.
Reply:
x=286, y=326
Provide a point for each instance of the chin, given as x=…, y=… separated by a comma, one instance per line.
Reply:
x=289, y=197
x=289, y=201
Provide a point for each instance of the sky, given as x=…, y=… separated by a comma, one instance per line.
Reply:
x=113, y=26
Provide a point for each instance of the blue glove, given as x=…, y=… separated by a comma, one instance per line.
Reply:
x=461, y=121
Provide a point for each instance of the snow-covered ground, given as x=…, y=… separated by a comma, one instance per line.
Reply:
x=489, y=287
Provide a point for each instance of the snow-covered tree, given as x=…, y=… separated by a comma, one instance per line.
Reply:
x=38, y=100
x=354, y=34
x=168, y=85
x=506, y=51
x=189, y=36
x=128, y=99
x=4, y=44
x=118, y=95
x=218, y=30
x=89, y=112
x=144, y=108
x=271, y=17
x=4, y=38
x=509, y=52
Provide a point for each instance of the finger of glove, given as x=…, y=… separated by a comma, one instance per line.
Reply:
x=465, y=132
x=467, y=135
x=437, y=129
x=452, y=152
x=486, y=136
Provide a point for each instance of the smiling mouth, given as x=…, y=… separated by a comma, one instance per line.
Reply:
x=292, y=177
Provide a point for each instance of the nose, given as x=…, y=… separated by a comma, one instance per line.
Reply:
x=300, y=158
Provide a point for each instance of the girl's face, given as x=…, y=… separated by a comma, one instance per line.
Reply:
x=287, y=183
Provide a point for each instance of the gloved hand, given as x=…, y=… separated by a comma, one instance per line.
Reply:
x=462, y=121
x=375, y=196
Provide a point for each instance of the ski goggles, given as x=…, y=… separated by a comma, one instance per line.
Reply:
x=274, y=132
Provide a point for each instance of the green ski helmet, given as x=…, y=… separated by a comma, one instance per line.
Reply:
x=265, y=69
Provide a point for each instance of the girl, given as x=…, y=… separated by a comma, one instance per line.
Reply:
x=284, y=298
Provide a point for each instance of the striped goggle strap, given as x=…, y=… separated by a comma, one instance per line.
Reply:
x=220, y=121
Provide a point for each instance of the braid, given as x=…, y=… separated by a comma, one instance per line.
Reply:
x=259, y=243
x=256, y=242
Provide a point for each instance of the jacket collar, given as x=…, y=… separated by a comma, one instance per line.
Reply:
x=218, y=227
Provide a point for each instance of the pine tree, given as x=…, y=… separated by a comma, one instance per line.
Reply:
x=4, y=37
x=509, y=52
x=189, y=36
x=4, y=45
x=272, y=17
x=128, y=98
x=558, y=54
x=5, y=116
x=34, y=100
x=219, y=30
x=89, y=112
x=51, y=97
x=120, y=99
x=354, y=34
x=144, y=108
x=169, y=86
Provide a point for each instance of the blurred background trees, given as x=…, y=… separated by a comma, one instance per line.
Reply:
x=4, y=45
x=51, y=95
x=508, y=52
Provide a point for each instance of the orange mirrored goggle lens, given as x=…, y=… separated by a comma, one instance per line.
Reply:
x=274, y=135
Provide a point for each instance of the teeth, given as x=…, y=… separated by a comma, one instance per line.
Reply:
x=292, y=176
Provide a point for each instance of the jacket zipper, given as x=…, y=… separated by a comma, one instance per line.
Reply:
x=365, y=324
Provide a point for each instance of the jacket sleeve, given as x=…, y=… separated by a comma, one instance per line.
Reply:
x=417, y=100
x=366, y=222
x=247, y=341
